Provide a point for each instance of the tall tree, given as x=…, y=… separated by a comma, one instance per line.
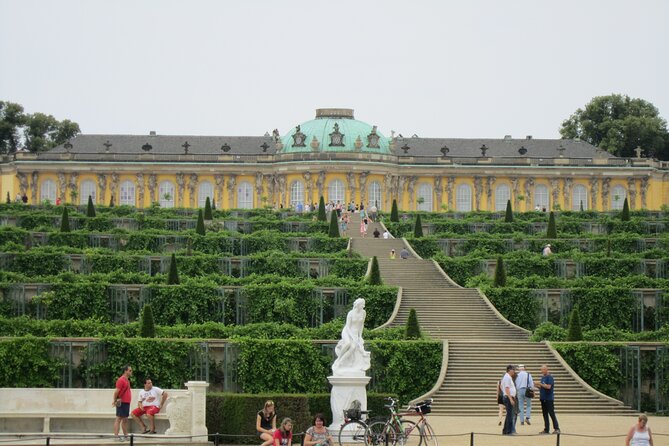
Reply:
x=12, y=120
x=173, y=275
x=208, y=214
x=90, y=208
x=321, y=210
x=552, y=227
x=412, y=327
x=394, y=214
x=199, y=227
x=508, y=215
x=375, y=273
x=618, y=124
x=65, y=221
x=333, y=230
x=418, y=227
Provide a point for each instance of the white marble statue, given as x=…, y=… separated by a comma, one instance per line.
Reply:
x=352, y=359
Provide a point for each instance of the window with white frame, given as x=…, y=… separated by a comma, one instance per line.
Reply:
x=618, y=195
x=205, y=189
x=296, y=194
x=541, y=197
x=47, y=191
x=502, y=196
x=127, y=193
x=374, y=195
x=463, y=198
x=424, y=196
x=87, y=189
x=244, y=195
x=336, y=192
x=579, y=198
x=166, y=194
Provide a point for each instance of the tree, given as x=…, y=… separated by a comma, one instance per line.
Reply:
x=552, y=228
x=333, y=231
x=12, y=120
x=574, y=332
x=208, y=214
x=412, y=328
x=147, y=326
x=418, y=227
x=65, y=221
x=199, y=228
x=625, y=215
x=90, y=209
x=43, y=132
x=620, y=124
x=173, y=276
x=500, y=273
x=321, y=210
x=9, y=199
x=508, y=217
x=375, y=273
x=394, y=214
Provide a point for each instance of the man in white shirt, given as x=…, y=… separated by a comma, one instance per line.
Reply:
x=509, y=392
x=523, y=382
x=149, y=402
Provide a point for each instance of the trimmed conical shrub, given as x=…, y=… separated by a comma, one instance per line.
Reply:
x=552, y=228
x=508, y=217
x=147, y=326
x=418, y=227
x=208, y=214
x=394, y=213
x=9, y=199
x=412, y=329
x=625, y=215
x=90, y=208
x=500, y=273
x=334, y=225
x=321, y=210
x=375, y=273
x=574, y=333
x=173, y=276
x=581, y=206
x=213, y=206
x=65, y=221
x=199, y=228
x=111, y=202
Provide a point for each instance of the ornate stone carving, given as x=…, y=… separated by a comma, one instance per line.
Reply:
x=438, y=190
x=336, y=137
x=34, y=186
x=529, y=187
x=315, y=144
x=272, y=188
x=555, y=189
x=62, y=186
x=74, y=189
x=411, y=186
x=320, y=183
x=140, y=188
x=179, y=414
x=515, y=188
x=631, y=192
x=232, y=182
x=606, y=185
x=352, y=187
x=281, y=181
x=309, y=188
x=299, y=138
x=388, y=183
x=643, y=187
x=23, y=183
x=400, y=191
x=218, y=181
x=181, y=185
x=394, y=188
x=192, y=186
x=358, y=144
x=373, y=139
x=153, y=187
x=363, y=186
x=450, y=183
x=259, y=188
x=566, y=191
x=594, y=193
x=489, y=186
x=102, y=185
x=478, y=191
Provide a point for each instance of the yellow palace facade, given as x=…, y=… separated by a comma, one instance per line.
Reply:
x=341, y=159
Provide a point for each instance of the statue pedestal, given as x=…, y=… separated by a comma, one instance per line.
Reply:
x=346, y=389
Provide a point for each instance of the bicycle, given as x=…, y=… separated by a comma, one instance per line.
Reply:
x=396, y=431
x=354, y=430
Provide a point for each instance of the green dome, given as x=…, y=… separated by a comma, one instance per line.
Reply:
x=335, y=130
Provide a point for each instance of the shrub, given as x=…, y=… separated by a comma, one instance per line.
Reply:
x=412, y=328
x=574, y=332
x=552, y=228
x=548, y=331
x=321, y=209
x=375, y=273
x=508, y=216
x=418, y=227
x=394, y=214
x=65, y=221
x=625, y=215
x=500, y=274
x=173, y=277
x=208, y=214
x=199, y=228
x=147, y=326
x=90, y=209
x=333, y=231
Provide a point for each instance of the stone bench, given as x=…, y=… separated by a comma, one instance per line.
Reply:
x=90, y=410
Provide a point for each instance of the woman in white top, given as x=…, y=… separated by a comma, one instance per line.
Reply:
x=639, y=434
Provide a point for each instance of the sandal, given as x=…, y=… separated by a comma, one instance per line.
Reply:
x=146, y=431
x=152, y=432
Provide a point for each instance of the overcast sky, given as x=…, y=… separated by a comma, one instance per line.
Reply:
x=467, y=68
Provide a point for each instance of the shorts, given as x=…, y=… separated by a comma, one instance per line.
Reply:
x=149, y=410
x=123, y=411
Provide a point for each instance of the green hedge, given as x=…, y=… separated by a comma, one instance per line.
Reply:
x=26, y=363
x=598, y=365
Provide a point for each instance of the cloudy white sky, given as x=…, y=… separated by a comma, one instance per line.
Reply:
x=476, y=68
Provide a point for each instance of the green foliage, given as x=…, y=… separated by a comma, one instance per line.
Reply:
x=147, y=327
x=500, y=273
x=321, y=209
x=412, y=328
x=394, y=214
x=508, y=215
x=375, y=273
x=333, y=231
x=65, y=221
x=598, y=365
x=173, y=276
x=208, y=214
x=199, y=228
x=625, y=215
x=418, y=227
x=548, y=331
x=90, y=209
x=26, y=363
x=9, y=200
x=574, y=332
x=551, y=233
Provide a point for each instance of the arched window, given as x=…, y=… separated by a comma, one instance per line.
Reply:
x=336, y=192
x=618, y=195
x=296, y=194
x=166, y=194
x=541, y=197
x=245, y=195
x=87, y=189
x=374, y=195
x=127, y=192
x=502, y=195
x=48, y=191
x=463, y=198
x=205, y=189
x=424, y=192
x=579, y=197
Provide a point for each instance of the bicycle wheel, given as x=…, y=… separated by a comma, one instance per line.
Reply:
x=409, y=435
x=353, y=433
x=376, y=434
x=429, y=437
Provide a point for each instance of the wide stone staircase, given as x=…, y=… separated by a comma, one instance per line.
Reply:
x=480, y=341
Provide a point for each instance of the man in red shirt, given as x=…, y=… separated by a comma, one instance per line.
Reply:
x=122, y=399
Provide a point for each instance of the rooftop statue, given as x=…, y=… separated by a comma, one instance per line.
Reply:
x=352, y=359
